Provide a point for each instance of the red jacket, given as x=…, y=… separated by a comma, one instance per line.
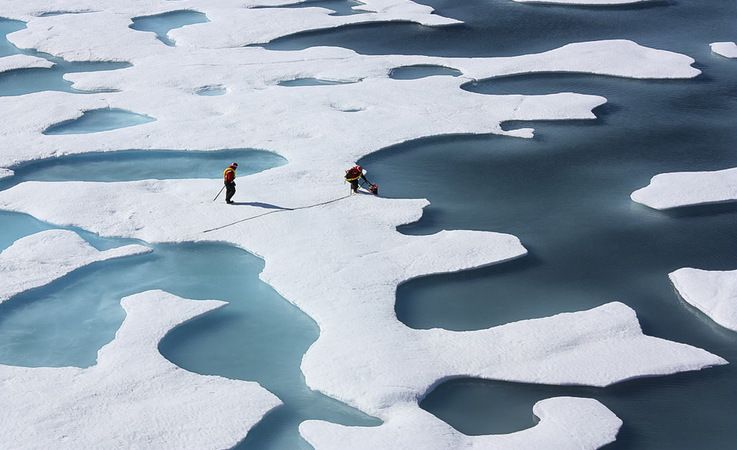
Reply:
x=229, y=174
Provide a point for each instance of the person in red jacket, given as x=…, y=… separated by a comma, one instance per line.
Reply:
x=229, y=180
x=354, y=175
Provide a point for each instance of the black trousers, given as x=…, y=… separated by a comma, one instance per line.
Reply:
x=229, y=191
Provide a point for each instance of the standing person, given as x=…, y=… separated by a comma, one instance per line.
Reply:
x=229, y=180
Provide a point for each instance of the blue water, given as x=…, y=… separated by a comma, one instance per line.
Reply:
x=27, y=81
x=132, y=165
x=162, y=24
x=97, y=120
x=422, y=71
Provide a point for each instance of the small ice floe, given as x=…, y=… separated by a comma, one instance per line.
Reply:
x=726, y=49
x=713, y=292
x=674, y=189
x=133, y=397
x=17, y=62
x=41, y=258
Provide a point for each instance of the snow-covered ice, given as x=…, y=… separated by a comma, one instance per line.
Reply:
x=726, y=49
x=713, y=292
x=315, y=257
x=17, y=62
x=674, y=189
x=565, y=423
x=41, y=258
x=133, y=397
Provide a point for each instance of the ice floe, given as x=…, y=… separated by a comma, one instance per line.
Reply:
x=726, y=49
x=17, y=62
x=41, y=258
x=674, y=189
x=350, y=286
x=565, y=423
x=337, y=257
x=133, y=396
x=713, y=292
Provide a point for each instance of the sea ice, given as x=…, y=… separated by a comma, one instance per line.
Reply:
x=17, y=62
x=41, y=258
x=133, y=397
x=726, y=49
x=674, y=189
x=337, y=257
x=713, y=292
x=350, y=286
x=565, y=423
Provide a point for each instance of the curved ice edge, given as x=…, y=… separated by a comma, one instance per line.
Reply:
x=564, y=422
x=41, y=258
x=133, y=394
x=713, y=292
x=22, y=62
x=677, y=189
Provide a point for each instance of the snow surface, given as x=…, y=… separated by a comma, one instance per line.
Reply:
x=133, y=397
x=16, y=62
x=315, y=256
x=713, y=292
x=674, y=189
x=565, y=423
x=41, y=258
x=5, y=173
x=726, y=49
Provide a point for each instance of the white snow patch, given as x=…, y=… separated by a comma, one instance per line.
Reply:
x=674, y=189
x=41, y=258
x=726, y=49
x=17, y=62
x=133, y=397
x=713, y=292
x=565, y=423
x=6, y=173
